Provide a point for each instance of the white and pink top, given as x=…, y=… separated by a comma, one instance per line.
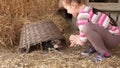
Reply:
x=100, y=18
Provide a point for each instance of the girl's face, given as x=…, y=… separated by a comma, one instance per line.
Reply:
x=72, y=8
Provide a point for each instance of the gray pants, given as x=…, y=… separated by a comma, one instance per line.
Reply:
x=100, y=38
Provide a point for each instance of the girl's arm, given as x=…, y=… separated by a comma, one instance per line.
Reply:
x=83, y=19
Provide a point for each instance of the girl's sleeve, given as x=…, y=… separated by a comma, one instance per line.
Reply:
x=82, y=19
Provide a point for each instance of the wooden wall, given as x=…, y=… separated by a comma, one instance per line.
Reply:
x=116, y=16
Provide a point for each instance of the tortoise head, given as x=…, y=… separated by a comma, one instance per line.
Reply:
x=58, y=43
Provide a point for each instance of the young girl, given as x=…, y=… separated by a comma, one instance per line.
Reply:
x=94, y=26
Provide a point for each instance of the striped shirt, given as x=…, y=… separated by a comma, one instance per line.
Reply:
x=100, y=18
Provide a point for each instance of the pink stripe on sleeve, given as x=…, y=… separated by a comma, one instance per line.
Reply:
x=113, y=28
x=82, y=12
x=102, y=19
x=91, y=14
x=82, y=34
x=82, y=22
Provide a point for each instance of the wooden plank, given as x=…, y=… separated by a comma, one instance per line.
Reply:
x=119, y=20
x=86, y=1
x=114, y=15
x=106, y=6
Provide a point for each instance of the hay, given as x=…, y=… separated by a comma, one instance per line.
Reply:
x=15, y=13
x=27, y=8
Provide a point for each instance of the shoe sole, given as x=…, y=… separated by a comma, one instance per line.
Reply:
x=85, y=54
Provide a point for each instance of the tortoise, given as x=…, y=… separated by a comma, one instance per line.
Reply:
x=45, y=33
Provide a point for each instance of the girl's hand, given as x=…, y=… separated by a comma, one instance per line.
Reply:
x=72, y=43
x=75, y=41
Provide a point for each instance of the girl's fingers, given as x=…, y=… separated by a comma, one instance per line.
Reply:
x=72, y=37
x=72, y=44
x=75, y=41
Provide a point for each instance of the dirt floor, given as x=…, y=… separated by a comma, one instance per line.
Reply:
x=68, y=58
